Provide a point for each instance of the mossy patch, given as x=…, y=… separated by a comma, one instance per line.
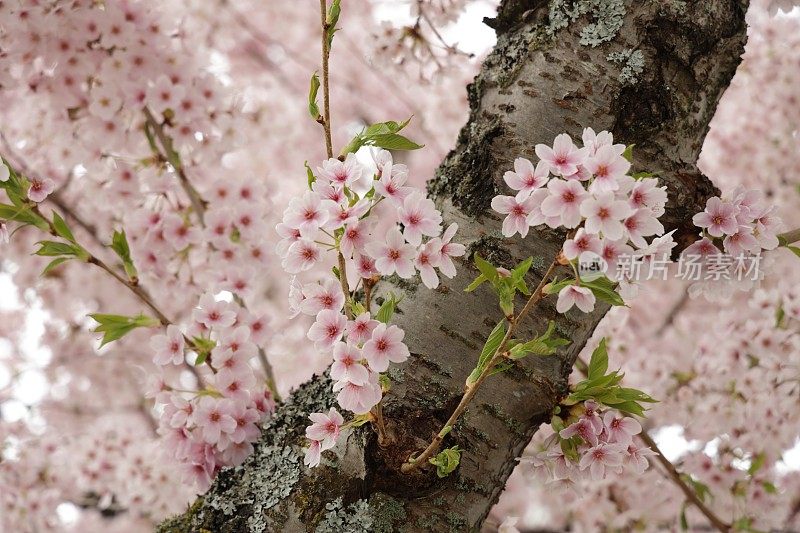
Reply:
x=607, y=17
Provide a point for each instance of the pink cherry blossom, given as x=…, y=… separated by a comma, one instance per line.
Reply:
x=741, y=242
x=647, y=193
x=307, y=213
x=719, y=218
x=701, y=248
x=591, y=413
x=5, y=173
x=593, y=141
x=637, y=456
x=564, y=157
x=525, y=178
x=392, y=255
x=214, y=417
x=391, y=184
x=214, y=313
x=419, y=217
x=621, y=429
x=767, y=227
x=354, y=237
x=601, y=457
x=607, y=166
x=360, y=329
x=236, y=386
x=571, y=295
x=428, y=258
x=325, y=428
x=642, y=223
x=448, y=250
x=346, y=365
x=517, y=211
x=564, y=201
x=168, y=348
x=365, y=266
x=313, y=454
x=40, y=189
x=179, y=233
x=612, y=252
x=341, y=173
x=385, y=345
x=604, y=214
x=339, y=216
x=164, y=94
x=302, y=255
x=319, y=296
x=358, y=398
x=581, y=242
x=328, y=329
x=583, y=428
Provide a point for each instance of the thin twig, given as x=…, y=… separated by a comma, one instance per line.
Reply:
x=691, y=495
x=790, y=237
x=472, y=389
x=171, y=156
x=326, y=52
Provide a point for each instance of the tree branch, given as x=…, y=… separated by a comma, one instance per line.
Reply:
x=533, y=86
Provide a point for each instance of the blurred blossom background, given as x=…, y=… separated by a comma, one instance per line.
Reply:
x=80, y=446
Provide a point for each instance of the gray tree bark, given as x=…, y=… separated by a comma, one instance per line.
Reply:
x=550, y=72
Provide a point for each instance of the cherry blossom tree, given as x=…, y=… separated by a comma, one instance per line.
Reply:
x=444, y=360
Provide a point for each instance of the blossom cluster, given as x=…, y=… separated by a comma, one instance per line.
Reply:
x=214, y=427
x=588, y=190
x=743, y=225
x=338, y=208
x=599, y=443
x=358, y=214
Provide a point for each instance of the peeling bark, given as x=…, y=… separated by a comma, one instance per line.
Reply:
x=538, y=82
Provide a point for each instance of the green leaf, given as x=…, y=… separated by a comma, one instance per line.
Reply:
x=757, y=463
x=202, y=348
x=330, y=21
x=446, y=461
x=506, y=292
x=385, y=127
x=684, y=522
x=769, y=488
x=119, y=243
x=544, y=344
x=701, y=489
x=56, y=249
x=554, y=287
x=62, y=229
x=628, y=153
x=22, y=213
x=386, y=310
x=604, y=291
x=313, y=108
x=486, y=268
x=393, y=141
x=598, y=364
x=492, y=344
x=642, y=175
x=794, y=249
x=114, y=327
x=54, y=263
x=475, y=284
x=519, y=272
x=631, y=408
x=310, y=174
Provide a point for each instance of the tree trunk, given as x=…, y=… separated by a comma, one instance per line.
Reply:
x=550, y=72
